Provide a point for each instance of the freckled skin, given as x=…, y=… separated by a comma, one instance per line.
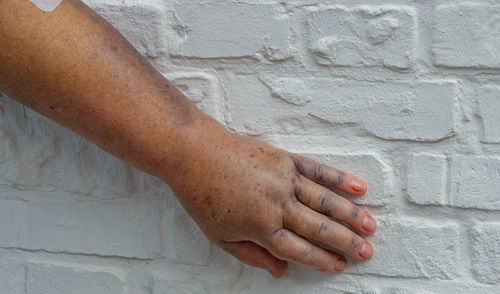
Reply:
x=259, y=203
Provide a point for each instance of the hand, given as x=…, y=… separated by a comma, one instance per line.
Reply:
x=263, y=205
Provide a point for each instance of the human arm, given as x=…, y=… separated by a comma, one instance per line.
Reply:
x=255, y=201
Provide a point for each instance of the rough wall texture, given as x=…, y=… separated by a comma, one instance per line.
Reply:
x=405, y=93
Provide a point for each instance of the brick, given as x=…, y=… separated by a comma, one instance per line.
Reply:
x=427, y=179
x=229, y=29
x=181, y=285
x=183, y=242
x=488, y=102
x=37, y=153
x=202, y=89
x=141, y=24
x=401, y=252
x=108, y=229
x=406, y=291
x=398, y=291
x=43, y=278
x=418, y=111
x=363, y=36
x=371, y=168
x=12, y=277
x=461, y=286
x=467, y=35
x=486, y=253
x=342, y=289
x=475, y=182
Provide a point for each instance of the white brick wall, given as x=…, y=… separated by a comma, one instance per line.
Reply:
x=404, y=93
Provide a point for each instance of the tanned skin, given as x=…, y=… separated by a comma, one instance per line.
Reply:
x=261, y=204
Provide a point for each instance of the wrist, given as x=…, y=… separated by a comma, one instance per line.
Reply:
x=192, y=141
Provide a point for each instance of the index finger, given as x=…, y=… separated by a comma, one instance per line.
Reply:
x=329, y=176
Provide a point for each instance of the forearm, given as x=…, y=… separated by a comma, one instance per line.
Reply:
x=76, y=69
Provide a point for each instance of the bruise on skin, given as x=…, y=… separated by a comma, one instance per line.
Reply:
x=321, y=228
x=299, y=196
x=319, y=173
x=300, y=164
x=322, y=199
x=355, y=243
x=323, y=203
x=355, y=212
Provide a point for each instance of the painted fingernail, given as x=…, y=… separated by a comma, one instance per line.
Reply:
x=369, y=224
x=358, y=186
x=340, y=265
x=366, y=250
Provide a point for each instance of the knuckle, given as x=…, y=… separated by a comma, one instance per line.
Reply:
x=327, y=265
x=355, y=242
x=293, y=198
x=319, y=173
x=320, y=229
x=303, y=255
x=298, y=186
x=277, y=237
x=355, y=211
x=323, y=202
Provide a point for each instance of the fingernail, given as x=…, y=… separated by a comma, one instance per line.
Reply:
x=358, y=186
x=369, y=224
x=340, y=265
x=366, y=250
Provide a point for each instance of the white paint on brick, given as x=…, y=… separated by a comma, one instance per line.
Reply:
x=475, y=182
x=228, y=29
x=35, y=150
x=106, y=229
x=486, y=253
x=467, y=35
x=47, y=277
x=427, y=179
x=12, y=276
x=165, y=285
x=488, y=103
x=363, y=36
x=412, y=248
x=202, y=89
x=182, y=240
x=342, y=289
x=371, y=168
x=142, y=24
x=419, y=111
